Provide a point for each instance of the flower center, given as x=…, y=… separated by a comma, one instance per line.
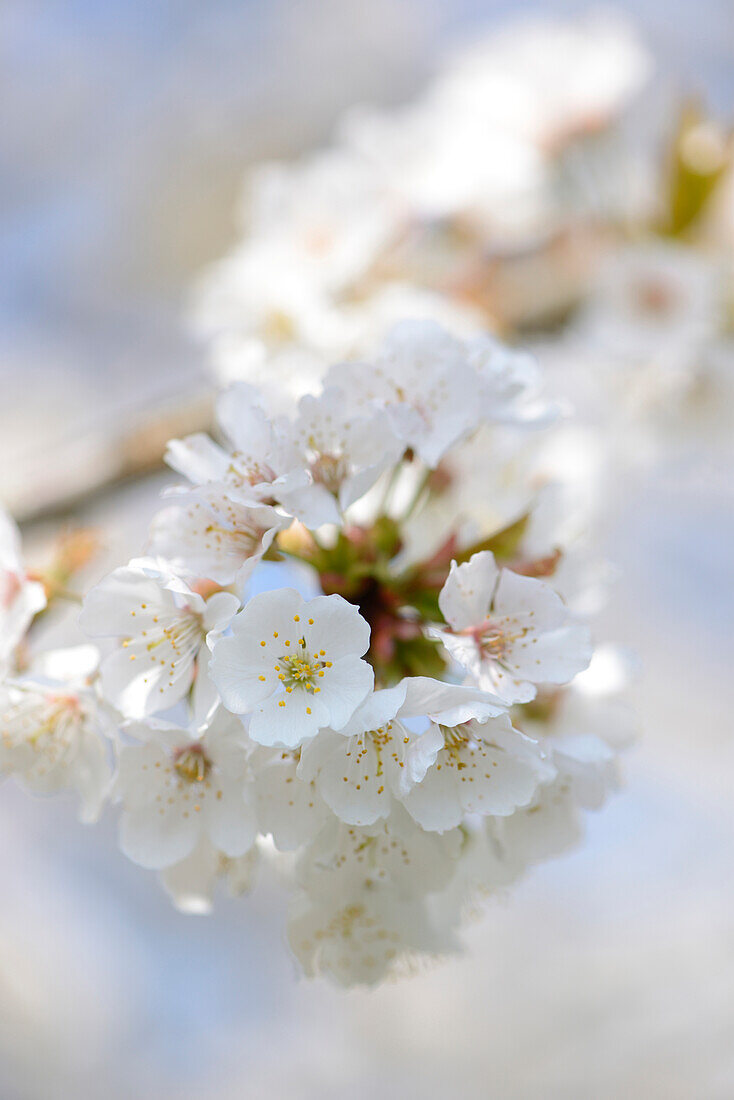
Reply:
x=182, y=634
x=329, y=470
x=191, y=763
x=242, y=472
x=455, y=737
x=302, y=670
x=490, y=638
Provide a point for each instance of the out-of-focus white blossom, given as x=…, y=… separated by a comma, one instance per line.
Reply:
x=180, y=787
x=20, y=598
x=55, y=732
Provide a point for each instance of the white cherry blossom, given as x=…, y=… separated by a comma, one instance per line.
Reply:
x=289, y=807
x=20, y=598
x=363, y=911
x=422, y=379
x=181, y=786
x=509, y=384
x=486, y=768
x=209, y=534
x=363, y=939
x=509, y=631
x=162, y=624
x=257, y=463
x=295, y=665
x=376, y=758
x=191, y=884
x=54, y=730
x=344, y=454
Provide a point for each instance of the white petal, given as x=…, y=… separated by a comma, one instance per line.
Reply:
x=220, y=609
x=447, y=704
x=554, y=657
x=466, y=596
x=137, y=685
x=300, y=716
x=156, y=838
x=198, y=458
x=288, y=807
x=523, y=598
x=343, y=688
x=337, y=628
x=241, y=682
x=351, y=782
x=230, y=819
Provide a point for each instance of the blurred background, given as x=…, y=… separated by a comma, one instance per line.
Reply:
x=127, y=128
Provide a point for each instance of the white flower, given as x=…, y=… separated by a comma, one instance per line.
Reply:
x=294, y=664
x=422, y=379
x=365, y=939
x=442, y=162
x=509, y=384
x=344, y=454
x=376, y=758
x=163, y=625
x=181, y=786
x=363, y=913
x=328, y=213
x=511, y=632
x=549, y=826
x=211, y=535
x=655, y=304
x=486, y=768
x=548, y=79
x=259, y=460
x=20, y=598
x=191, y=883
x=54, y=731
x=394, y=853
x=288, y=806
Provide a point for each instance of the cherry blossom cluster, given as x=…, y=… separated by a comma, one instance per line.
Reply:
x=522, y=192
x=356, y=645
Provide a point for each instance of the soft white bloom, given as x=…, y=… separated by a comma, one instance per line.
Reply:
x=162, y=623
x=282, y=376
x=358, y=770
x=259, y=461
x=486, y=768
x=377, y=758
x=289, y=807
x=394, y=853
x=295, y=665
x=510, y=632
x=20, y=598
x=363, y=912
x=329, y=214
x=180, y=786
x=363, y=939
x=548, y=827
x=441, y=162
x=548, y=79
x=655, y=303
x=343, y=452
x=54, y=732
x=258, y=295
x=191, y=883
x=374, y=315
x=509, y=383
x=209, y=534
x=422, y=379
